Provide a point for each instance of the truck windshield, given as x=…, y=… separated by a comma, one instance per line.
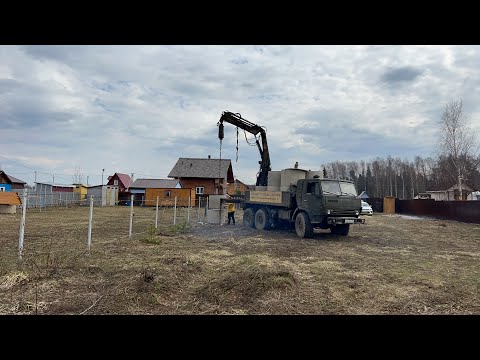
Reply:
x=331, y=187
x=338, y=187
x=348, y=188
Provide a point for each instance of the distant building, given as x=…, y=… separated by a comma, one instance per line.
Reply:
x=8, y=202
x=9, y=183
x=363, y=195
x=206, y=176
x=451, y=193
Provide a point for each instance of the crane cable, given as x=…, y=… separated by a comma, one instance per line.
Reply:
x=237, y=146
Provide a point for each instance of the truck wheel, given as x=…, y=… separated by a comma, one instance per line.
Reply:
x=248, y=218
x=261, y=220
x=340, y=229
x=303, y=227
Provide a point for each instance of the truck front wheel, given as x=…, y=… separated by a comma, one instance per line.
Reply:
x=303, y=227
x=262, y=221
x=340, y=229
x=248, y=218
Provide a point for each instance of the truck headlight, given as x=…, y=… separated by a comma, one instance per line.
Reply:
x=356, y=212
x=328, y=212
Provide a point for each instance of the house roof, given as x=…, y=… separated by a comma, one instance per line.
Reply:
x=56, y=185
x=124, y=178
x=9, y=198
x=203, y=168
x=465, y=187
x=154, y=183
x=363, y=194
x=12, y=179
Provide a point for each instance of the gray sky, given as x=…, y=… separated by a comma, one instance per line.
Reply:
x=137, y=109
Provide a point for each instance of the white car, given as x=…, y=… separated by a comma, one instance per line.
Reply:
x=366, y=208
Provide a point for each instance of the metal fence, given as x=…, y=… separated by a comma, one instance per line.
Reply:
x=45, y=199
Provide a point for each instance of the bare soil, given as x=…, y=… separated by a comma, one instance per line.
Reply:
x=390, y=265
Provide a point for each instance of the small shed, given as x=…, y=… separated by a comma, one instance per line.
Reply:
x=9, y=202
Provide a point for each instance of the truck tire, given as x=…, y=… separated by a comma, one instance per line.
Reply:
x=341, y=230
x=248, y=218
x=303, y=227
x=262, y=222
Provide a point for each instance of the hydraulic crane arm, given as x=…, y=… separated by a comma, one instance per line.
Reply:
x=237, y=120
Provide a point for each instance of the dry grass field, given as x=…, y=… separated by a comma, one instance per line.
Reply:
x=390, y=265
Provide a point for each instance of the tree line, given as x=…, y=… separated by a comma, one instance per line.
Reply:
x=402, y=178
x=457, y=163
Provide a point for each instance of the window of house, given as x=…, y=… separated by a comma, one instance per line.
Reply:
x=2, y=188
x=115, y=182
x=168, y=193
x=199, y=190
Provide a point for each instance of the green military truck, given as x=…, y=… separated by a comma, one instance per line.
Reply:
x=294, y=196
x=323, y=203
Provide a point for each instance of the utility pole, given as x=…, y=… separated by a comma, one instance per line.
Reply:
x=53, y=179
x=102, y=175
x=132, y=176
x=35, y=176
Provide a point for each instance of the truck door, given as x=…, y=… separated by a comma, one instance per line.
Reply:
x=312, y=198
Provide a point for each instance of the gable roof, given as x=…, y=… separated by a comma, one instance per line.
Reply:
x=124, y=178
x=363, y=195
x=203, y=168
x=9, y=198
x=11, y=178
x=465, y=187
x=155, y=183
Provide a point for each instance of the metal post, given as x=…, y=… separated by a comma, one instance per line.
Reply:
x=90, y=224
x=156, y=215
x=220, y=212
x=188, y=209
x=22, y=225
x=131, y=217
x=198, y=211
x=175, y=212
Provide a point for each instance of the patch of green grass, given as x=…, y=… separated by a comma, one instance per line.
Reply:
x=151, y=236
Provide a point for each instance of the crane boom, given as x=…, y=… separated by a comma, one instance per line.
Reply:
x=237, y=120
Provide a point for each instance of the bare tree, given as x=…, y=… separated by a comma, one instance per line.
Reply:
x=457, y=140
x=77, y=176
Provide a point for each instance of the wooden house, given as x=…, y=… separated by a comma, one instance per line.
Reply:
x=205, y=176
x=8, y=182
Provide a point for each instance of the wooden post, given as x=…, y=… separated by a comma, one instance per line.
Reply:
x=131, y=217
x=156, y=215
x=90, y=224
x=22, y=225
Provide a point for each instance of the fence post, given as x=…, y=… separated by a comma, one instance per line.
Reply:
x=175, y=212
x=156, y=215
x=198, y=210
x=22, y=225
x=188, y=209
x=131, y=217
x=90, y=224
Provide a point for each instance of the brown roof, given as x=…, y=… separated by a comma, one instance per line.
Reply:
x=12, y=179
x=9, y=198
x=154, y=183
x=203, y=168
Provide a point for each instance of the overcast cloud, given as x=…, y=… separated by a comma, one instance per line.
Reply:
x=137, y=109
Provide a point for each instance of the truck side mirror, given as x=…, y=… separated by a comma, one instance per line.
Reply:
x=317, y=190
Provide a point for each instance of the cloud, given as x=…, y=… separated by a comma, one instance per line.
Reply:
x=401, y=75
x=139, y=108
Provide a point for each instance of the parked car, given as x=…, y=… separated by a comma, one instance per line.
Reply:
x=366, y=208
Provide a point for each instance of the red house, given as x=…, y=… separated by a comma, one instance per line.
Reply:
x=123, y=181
